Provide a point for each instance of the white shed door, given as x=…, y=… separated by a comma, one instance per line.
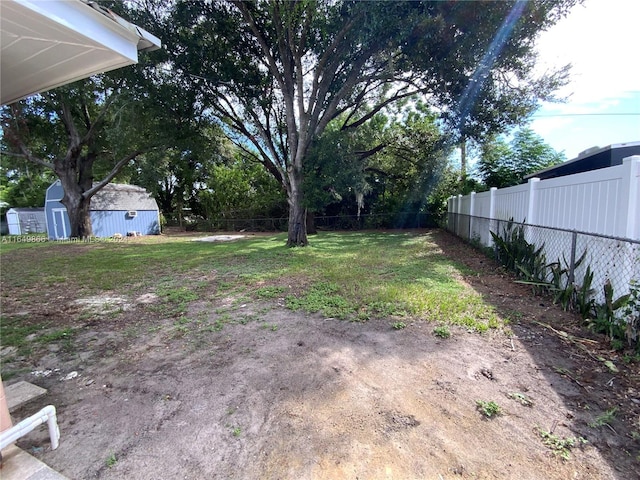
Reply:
x=58, y=223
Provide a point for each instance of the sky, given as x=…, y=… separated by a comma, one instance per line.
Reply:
x=602, y=42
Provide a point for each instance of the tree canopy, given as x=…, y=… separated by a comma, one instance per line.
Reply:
x=317, y=92
x=503, y=164
x=77, y=132
x=277, y=73
x=387, y=165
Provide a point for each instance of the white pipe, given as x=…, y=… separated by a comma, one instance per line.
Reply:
x=47, y=414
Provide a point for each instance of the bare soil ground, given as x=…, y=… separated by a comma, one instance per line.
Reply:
x=284, y=395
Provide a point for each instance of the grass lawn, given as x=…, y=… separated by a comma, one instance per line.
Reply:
x=387, y=368
x=350, y=276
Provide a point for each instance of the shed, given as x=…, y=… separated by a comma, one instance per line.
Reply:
x=21, y=221
x=115, y=209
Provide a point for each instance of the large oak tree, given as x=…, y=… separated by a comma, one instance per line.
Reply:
x=88, y=131
x=277, y=72
x=76, y=132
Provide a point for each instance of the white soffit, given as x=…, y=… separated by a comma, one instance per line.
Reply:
x=49, y=43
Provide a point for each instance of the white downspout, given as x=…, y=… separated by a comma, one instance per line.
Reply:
x=46, y=415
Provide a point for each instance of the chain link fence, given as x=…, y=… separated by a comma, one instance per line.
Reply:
x=336, y=222
x=582, y=260
x=399, y=220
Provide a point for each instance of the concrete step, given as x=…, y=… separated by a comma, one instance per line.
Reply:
x=20, y=393
x=19, y=465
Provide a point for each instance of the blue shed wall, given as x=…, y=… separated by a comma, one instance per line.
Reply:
x=55, y=191
x=107, y=223
x=56, y=230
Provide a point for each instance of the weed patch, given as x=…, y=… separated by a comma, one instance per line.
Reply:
x=442, y=331
x=111, y=460
x=269, y=292
x=560, y=446
x=521, y=398
x=324, y=298
x=489, y=409
x=605, y=418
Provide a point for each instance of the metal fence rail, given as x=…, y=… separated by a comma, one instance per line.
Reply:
x=382, y=220
x=322, y=222
x=612, y=259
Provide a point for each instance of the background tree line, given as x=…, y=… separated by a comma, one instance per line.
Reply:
x=274, y=108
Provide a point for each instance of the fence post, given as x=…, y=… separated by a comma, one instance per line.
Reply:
x=572, y=261
x=458, y=214
x=532, y=207
x=632, y=224
x=472, y=212
x=492, y=211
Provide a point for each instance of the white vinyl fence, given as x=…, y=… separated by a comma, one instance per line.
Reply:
x=596, y=212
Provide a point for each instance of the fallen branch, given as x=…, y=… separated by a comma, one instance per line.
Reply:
x=565, y=372
x=565, y=335
x=577, y=341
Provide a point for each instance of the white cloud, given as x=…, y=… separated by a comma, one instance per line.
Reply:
x=547, y=126
x=600, y=39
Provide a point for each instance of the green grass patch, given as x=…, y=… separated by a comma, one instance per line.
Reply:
x=270, y=292
x=323, y=297
x=15, y=331
x=18, y=332
x=178, y=295
x=56, y=336
x=355, y=276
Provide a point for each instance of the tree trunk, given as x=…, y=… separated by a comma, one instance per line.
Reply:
x=297, y=213
x=78, y=211
x=463, y=161
x=311, y=223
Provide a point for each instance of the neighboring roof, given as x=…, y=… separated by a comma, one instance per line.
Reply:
x=49, y=43
x=590, y=159
x=27, y=210
x=115, y=196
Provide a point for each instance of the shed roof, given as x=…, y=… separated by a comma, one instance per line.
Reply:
x=26, y=209
x=115, y=196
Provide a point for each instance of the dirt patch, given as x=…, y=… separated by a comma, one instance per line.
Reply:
x=218, y=238
x=278, y=394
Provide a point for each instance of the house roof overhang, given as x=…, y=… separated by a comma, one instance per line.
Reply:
x=48, y=43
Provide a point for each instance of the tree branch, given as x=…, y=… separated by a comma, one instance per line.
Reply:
x=380, y=106
x=246, y=14
x=26, y=154
x=110, y=176
x=368, y=153
x=103, y=112
x=69, y=125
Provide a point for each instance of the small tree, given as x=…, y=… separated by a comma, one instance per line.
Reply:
x=505, y=164
x=23, y=184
